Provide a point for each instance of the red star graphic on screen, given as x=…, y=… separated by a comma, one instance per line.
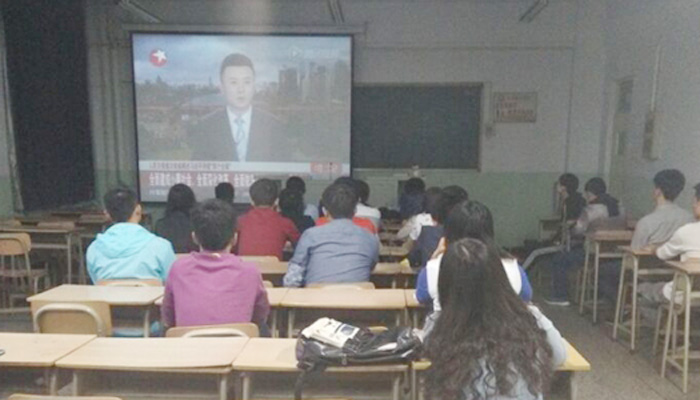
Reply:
x=158, y=58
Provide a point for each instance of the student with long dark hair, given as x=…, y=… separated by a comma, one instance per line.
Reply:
x=176, y=225
x=487, y=343
x=291, y=204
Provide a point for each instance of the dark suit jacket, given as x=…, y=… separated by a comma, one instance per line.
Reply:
x=211, y=138
x=425, y=245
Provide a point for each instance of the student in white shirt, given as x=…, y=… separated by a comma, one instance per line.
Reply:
x=413, y=225
x=363, y=210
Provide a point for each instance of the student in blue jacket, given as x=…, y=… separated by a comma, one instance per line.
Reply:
x=468, y=219
x=127, y=250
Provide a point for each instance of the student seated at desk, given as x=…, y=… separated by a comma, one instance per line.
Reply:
x=412, y=228
x=652, y=230
x=602, y=211
x=468, y=219
x=364, y=210
x=685, y=243
x=262, y=231
x=338, y=251
x=487, y=343
x=292, y=206
x=298, y=184
x=176, y=225
x=430, y=236
x=213, y=286
x=358, y=220
x=411, y=200
x=127, y=250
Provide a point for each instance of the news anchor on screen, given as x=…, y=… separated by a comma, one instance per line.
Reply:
x=239, y=132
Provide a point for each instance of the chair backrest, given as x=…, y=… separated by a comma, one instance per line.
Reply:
x=130, y=282
x=15, y=244
x=268, y=284
x=343, y=285
x=84, y=317
x=56, y=225
x=19, y=396
x=241, y=329
x=260, y=259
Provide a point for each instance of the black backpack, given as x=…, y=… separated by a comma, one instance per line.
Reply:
x=394, y=346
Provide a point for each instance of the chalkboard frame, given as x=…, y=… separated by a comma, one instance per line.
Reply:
x=483, y=90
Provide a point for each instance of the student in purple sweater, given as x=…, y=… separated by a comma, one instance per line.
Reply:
x=213, y=286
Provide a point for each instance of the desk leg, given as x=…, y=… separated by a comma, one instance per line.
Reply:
x=573, y=385
x=669, y=322
x=619, y=305
x=147, y=322
x=245, y=386
x=398, y=317
x=273, y=322
x=69, y=254
x=76, y=383
x=223, y=387
x=633, y=316
x=290, y=323
x=686, y=330
x=596, y=269
x=584, y=277
x=414, y=385
x=393, y=282
x=396, y=388
x=81, y=262
x=53, y=381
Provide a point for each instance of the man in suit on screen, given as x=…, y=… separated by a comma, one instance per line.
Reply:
x=239, y=132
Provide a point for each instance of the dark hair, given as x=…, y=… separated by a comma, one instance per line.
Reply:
x=236, y=60
x=431, y=199
x=291, y=203
x=450, y=196
x=180, y=199
x=340, y=200
x=296, y=183
x=469, y=219
x=213, y=224
x=569, y=182
x=120, y=203
x=224, y=191
x=485, y=335
x=697, y=191
x=362, y=189
x=414, y=186
x=671, y=183
x=346, y=180
x=595, y=186
x=264, y=192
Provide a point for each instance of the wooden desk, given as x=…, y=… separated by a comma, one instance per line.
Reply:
x=573, y=364
x=634, y=261
x=121, y=296
x=343, y=299
x=65, y=242
x=413, y=307
x=169, y=355
x=278, y=355
x=275, y=296
x=34, y=350
x=601, y=244
x=394, y=251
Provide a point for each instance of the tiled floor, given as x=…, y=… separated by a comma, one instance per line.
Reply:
x=616, y=373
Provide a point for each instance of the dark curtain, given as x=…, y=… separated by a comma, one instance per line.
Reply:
x=47, y=71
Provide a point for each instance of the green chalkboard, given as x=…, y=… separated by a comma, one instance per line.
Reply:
x=432, y=126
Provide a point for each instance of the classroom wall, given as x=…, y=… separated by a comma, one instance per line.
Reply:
x=6, y=205
x=559, y=55
x=634, y=28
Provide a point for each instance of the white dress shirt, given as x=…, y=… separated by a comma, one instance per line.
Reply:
x=241, y=147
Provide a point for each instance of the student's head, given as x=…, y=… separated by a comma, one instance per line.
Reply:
x=431, y=199
x=696, y=203
x=483, y=322
x=122, y=205
x=668, y=183
x=568, y=183
x=414, y=186
x=296, y=183
x=469, y=219
x=339, y=200
x=213, y=224
x=291, y=203
x=362, y=189
x=450, y=196
x=180, y=199
x=263, y=193
x=238, y=81
x=224, y=191
x=346, y=180
x=594, y=188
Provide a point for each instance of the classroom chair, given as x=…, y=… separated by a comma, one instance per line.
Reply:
x=87, y=317
x=16, y=246
x=239, y=329
x=268, y=284
x=130, y=282
x=19, y=396
x=343, y=285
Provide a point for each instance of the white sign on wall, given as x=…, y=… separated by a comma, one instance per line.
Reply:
x=515, y=107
